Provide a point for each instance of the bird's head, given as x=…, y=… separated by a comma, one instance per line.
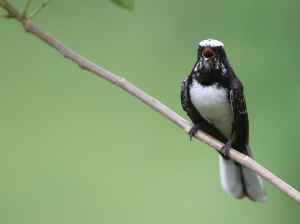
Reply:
x=211, y=55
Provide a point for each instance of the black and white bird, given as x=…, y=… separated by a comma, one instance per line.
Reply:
x=213, y=98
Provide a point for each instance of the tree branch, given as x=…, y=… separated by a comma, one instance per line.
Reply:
x=150, y=101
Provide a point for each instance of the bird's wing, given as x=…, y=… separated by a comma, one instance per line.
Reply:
x=240, y=114
x=185, y=101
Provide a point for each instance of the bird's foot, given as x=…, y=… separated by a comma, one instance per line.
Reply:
x=226, y=147
x=193, y=130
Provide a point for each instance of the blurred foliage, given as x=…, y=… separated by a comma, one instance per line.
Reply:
x=125, y=4
x=76, y=149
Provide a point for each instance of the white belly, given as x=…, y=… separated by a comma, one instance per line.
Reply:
x=213, y=105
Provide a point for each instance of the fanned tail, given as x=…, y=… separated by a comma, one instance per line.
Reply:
x=239, y=181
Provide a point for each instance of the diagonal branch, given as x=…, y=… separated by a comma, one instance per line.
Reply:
x=150, y=101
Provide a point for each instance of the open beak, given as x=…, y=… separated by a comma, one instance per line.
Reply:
x=208, y=54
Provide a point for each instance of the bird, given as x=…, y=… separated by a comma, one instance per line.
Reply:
x=213, y=98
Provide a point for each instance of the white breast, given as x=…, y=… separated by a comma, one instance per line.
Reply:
x=212, y=103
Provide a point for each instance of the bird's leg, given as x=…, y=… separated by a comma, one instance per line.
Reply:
x=194, y=129
x=227, y=146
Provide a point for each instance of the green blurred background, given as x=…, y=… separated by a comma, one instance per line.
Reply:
x=77, y=149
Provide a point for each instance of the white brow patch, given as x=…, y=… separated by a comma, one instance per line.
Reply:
x=211, y=43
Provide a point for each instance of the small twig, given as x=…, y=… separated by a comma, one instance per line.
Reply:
x=151, y=102
x=6, y=16
x=24, y=12
x=39, y=9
